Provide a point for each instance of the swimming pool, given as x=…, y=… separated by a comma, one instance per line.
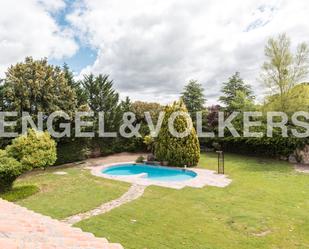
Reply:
x=152, y=172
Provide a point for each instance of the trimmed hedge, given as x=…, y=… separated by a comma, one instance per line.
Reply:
x=266, y=146
x=72, y=151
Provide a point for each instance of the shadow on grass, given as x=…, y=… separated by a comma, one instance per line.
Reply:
x=20, y=192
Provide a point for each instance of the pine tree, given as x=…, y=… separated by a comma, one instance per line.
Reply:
x=103, y=98
x=177, y=151
x=194, y=97
x=235, y=84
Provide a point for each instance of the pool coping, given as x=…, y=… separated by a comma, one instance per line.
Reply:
x=203, y=178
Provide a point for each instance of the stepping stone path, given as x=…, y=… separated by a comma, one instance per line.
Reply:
x=21, y=228
x=133, y=193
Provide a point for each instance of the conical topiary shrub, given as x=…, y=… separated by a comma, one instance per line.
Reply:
x=177, y=151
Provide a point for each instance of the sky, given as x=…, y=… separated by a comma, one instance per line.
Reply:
x=151, y=48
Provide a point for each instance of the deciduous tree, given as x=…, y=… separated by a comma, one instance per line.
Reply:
x=283, y=68
x=35, y=86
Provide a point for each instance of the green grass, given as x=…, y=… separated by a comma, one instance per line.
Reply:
x=60, y=196
x=20, y=192
x=266, y=206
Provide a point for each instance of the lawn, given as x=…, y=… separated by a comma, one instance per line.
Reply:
x=60, y=196
x=266, y=206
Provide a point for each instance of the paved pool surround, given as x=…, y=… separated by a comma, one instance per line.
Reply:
x=203, y=178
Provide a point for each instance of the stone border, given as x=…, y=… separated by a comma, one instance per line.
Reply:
x=204, y=177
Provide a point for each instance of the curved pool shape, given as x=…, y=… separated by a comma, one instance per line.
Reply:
x=157, y=173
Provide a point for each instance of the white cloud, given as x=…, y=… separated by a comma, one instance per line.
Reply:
x=53, y=5
x=28, y=29
x=151, y=48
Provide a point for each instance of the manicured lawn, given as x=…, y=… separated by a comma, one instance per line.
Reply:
x=60, y=196
x=266, y=206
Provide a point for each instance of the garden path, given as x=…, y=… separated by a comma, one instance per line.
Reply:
x=134, y=192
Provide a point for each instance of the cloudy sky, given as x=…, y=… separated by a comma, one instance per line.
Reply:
x=151, y=48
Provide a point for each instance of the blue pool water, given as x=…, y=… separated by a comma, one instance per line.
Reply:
x=153, y=172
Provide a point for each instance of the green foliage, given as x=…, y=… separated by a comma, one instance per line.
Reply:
x=275, y=146
x=34, y=149
x=75, y=85
x=150, y=142
x=194, y=98
x=20, y=192
x=298, y=100
x=242, y=102
x=35, y=86
x=63, y=196
x=177, y=151
x=283, y=68
x=230, y=89
x=10, y=169
x=140, y=159
x=265, y=200
x=140, y=107
x=1, y=96
x=101, y=97
x=100, y=93
x=126, y=105
x=73, y=150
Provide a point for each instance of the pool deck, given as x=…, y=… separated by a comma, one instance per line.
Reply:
x=204, y=178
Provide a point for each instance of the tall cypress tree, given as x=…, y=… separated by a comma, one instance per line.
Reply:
x=177, y=151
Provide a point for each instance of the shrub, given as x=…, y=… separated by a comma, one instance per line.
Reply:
x=33, y=150
x=175, y=150
x=150, y=142
x=140, y=159
x=10, y=169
